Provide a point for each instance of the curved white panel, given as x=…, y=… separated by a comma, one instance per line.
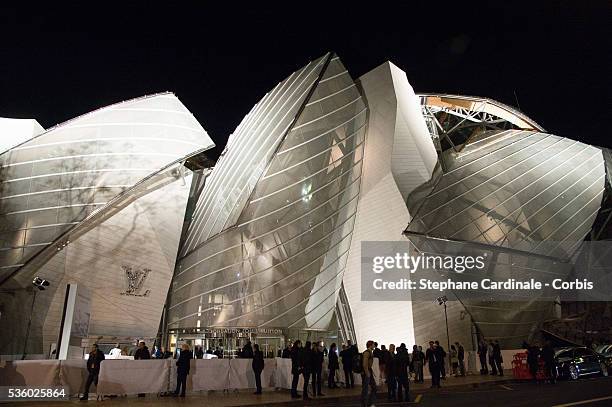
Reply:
x=55, y=180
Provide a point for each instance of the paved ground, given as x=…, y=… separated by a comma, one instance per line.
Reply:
x=472, y=391
x=594, y=392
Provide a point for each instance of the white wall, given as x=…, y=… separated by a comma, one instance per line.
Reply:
x=16, y=131
x=399, y=156
x=144, y=234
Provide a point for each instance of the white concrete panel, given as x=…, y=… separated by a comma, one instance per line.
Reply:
x=55, y=180
x=381, y=215
x=399, y=157
x=414, y=154
x=143, y=235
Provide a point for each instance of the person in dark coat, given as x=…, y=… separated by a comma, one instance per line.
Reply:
x=182, y=370
x=296, y=367
x=346, y=355
x=389, y=366
x=199, y=352
x=491, y=358
x=442, y=354
x=307, y=363
x=317, y=369
x=382, y=359
x=142, y=352
x=333, y=365
x=417, y=364
x=548, y=355
x=286, y=353
x=497, y=358
x=461, y=358
x=482, y=356
x=434, y=360
x=533, y=354
x=258, y=366
x=94, y=360
x=401, y=365
x=247, y=351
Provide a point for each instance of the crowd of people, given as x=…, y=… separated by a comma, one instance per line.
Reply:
x=397, y=365
x=490, y=352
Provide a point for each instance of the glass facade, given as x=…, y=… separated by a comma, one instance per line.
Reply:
x=517, y=189
x=281, y=264
x=526, y=198
x=247, y=153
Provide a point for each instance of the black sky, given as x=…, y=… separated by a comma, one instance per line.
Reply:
x=59, y=62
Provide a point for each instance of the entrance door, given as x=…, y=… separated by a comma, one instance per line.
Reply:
x=270, y=345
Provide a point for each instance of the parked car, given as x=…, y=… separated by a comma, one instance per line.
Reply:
x=606, y=352
x=575, y=362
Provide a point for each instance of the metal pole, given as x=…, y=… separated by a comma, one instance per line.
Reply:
x=447, y=341
x=25, y=342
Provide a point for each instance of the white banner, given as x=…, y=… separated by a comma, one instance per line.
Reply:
x=73, y=374
x=282, y=375
x=133, y=376
x=243, y=377
x=32, y=373
x=204, y=375
x=153, y=376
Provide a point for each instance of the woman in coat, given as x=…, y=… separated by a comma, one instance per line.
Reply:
x=333, y=365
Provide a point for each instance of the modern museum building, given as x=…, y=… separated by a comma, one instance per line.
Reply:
x=129, y=231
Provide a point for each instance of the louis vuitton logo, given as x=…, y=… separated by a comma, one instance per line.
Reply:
x=135, y=279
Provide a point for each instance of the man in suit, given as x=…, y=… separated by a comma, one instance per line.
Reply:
x=390, y=371
x=497, y=358
x=142, y=352
x=297, y=367
x=346, y=355
x=482, y=355
x=402, y=373
x=461, y=358
x=332, y=365
x=317, y=368
x=258, y=366
x=434, y=360
x=182, y=370
x=94, y=360
x=307, y=363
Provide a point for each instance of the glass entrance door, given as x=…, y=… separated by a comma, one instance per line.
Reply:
x=270, y=345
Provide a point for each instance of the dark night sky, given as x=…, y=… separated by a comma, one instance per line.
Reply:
x=58, y=63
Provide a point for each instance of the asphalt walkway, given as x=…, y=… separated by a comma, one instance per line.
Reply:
x=276, y=397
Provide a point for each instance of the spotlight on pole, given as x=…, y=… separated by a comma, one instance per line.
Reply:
x=41, y=284
x=442, y=301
